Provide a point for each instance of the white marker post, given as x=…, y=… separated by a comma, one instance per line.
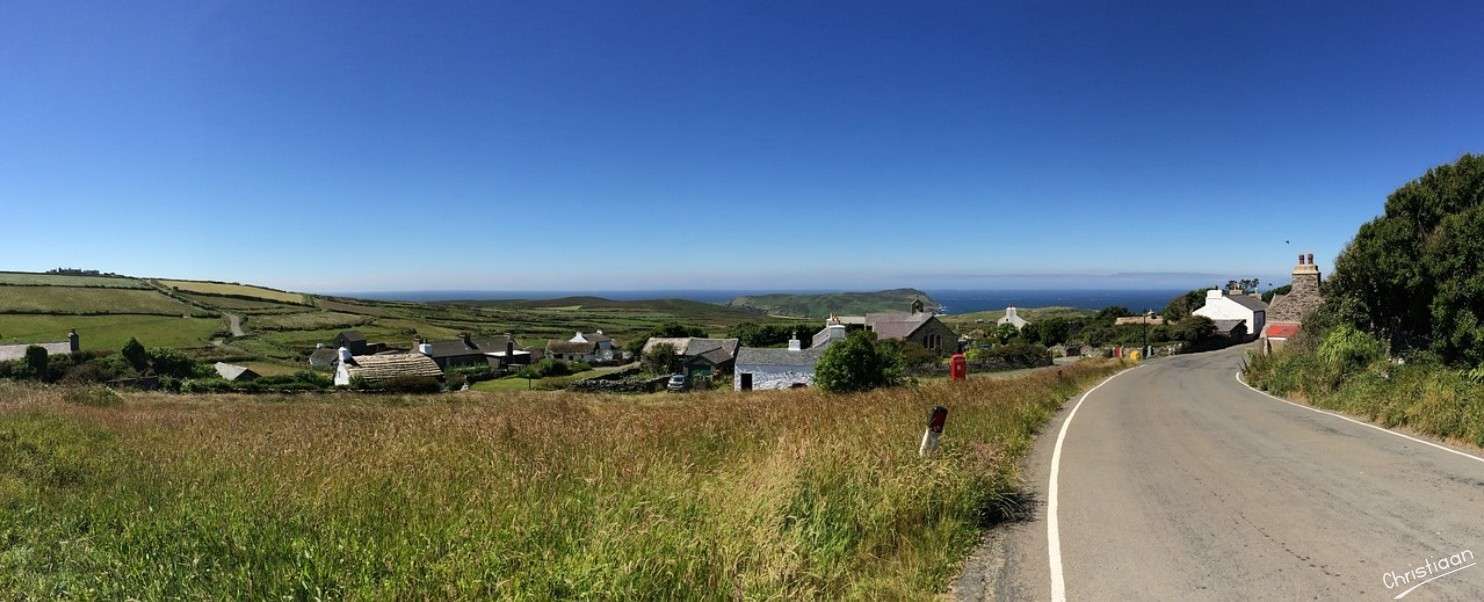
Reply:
x=934, y=431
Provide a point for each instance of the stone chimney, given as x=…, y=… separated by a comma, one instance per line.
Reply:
x=73, y=342
x=794, y=344
x=1306, y=274
x=465, y=337
x=509, y=345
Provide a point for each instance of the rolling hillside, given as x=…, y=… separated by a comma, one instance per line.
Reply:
x=821, y=305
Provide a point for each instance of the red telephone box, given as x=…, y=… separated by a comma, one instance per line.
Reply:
x=958, y=367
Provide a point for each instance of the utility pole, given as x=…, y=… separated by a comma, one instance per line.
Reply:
x=1148, y=315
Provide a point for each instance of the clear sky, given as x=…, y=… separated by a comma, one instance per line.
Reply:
x=331, y=146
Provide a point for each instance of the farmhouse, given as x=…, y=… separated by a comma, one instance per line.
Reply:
x=834, y=331
x=323, y=358
x=700, y=355
x=766, y=368
x=510, y=357
x=376, y=369
x=67, y=347
x=589, y=348
x=1012, y=317
x=234, y=372
x=1287, y=311
x=922, y=328
x=463, y=352
x=352, y=340
x=1222, y=306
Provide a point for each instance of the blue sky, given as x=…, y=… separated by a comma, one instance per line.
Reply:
x=634, y=145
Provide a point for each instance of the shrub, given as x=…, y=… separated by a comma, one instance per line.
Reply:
x=93, y=396
x=546, y=368
x=136, y=355
x=857, y=364
x=1019, y=354
x=35, y=362
x=661, y=359
x=1348, y=350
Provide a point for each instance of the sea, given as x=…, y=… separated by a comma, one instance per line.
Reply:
x=953, y=301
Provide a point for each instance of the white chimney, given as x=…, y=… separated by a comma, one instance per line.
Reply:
x=425, y=348
x=793, y=344
x=344, y=355
x=319, y=345
x=1213, y=294
x=577, y=338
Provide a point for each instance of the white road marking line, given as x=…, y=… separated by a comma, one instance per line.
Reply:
x=1053, y=530
x=1424, y=582
x=1349, y=419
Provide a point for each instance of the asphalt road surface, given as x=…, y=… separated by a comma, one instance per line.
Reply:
x=1177, y=482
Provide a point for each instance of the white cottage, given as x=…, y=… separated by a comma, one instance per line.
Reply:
x=1012, y=317
x=766, y=368
x=1222, y=307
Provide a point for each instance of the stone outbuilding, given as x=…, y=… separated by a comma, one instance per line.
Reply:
x=1287, y=311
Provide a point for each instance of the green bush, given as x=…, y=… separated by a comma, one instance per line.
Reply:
x=858, y=364
x=93, y=396
x=546, y=368
x=1349, y=350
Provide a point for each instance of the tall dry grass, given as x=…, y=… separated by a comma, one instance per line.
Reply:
x=792, y=494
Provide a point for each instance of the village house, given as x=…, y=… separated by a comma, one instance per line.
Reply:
x=699, y=356
x=1225, y=308
x=354, y=341
x=377, y=369
x=323, y=358
x=1012, y=317
x=761, y=368
x=593, y=348
x=1287, y=311
x=68, y=347
x=233, y=372
x=463, y=352
x=834, y=331
x=919, y=328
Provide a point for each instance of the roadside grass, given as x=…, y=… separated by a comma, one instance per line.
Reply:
x=63, y=299
x=109, y=333
x=234, y=290
x=779, y=495
x=1426, y=397
x=31, y=279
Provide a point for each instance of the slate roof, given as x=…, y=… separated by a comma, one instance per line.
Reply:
x=555, y=346
x=457, y=348
x=805, y=358
x=351, y=336
x=1249, y=302
x=393, y=365
x=323, y=357
x=695, y=346
x=233, y=371
x=896, y=325
x=14, y=352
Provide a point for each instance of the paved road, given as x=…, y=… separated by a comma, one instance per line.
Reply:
x=1176, y=482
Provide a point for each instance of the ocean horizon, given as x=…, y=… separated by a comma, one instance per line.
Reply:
x=954, y=301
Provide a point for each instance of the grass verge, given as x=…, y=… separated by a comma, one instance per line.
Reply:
x=787, y=494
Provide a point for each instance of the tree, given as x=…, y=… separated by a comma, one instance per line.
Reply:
x=857, y=364
x=1413, y=275
x=661, y=359
x=1282, y=290
x=36, y=360
x=136, y=355
x=1003, y=333
x=169, y=362
x=1180, y=307
x=1113, y=312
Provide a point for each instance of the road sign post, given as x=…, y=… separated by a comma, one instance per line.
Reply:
x=934, y=431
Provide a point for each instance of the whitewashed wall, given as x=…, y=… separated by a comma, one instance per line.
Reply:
x=765, y=377
x=1218, y=307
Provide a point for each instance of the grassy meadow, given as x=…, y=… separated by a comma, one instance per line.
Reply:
x=80, y=300
x=234, y=290
x=784, y=495
x=109, y=333
x=34, y=279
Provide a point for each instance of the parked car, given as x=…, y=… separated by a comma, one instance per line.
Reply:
x=678, y=383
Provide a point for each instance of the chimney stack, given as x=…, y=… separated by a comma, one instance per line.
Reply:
x=465, y=337
x=73, y=342
x=509, y=345
x=793, y=343
x=344, y=355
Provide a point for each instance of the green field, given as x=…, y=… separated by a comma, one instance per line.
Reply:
x=314, y=320
x=779, y=495
x=513, y=383
x=30, y=279
x=234, y=290
x=62, y=299
x=109, y=333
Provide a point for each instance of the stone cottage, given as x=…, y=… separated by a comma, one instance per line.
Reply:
x=1286, y=312
x=760, y=368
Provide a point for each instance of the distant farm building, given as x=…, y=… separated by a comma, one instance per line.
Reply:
x=700, y=355
x=1012, y=317
x=70, y=346
x=760, y=368
x=589, y=348
x=1223, y=307
x=380, y=369
x=920, y=328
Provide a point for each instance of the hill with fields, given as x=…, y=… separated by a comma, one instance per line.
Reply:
x=273, y=331
x=821, y=305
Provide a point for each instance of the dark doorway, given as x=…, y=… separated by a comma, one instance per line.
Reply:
x=746, y=381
